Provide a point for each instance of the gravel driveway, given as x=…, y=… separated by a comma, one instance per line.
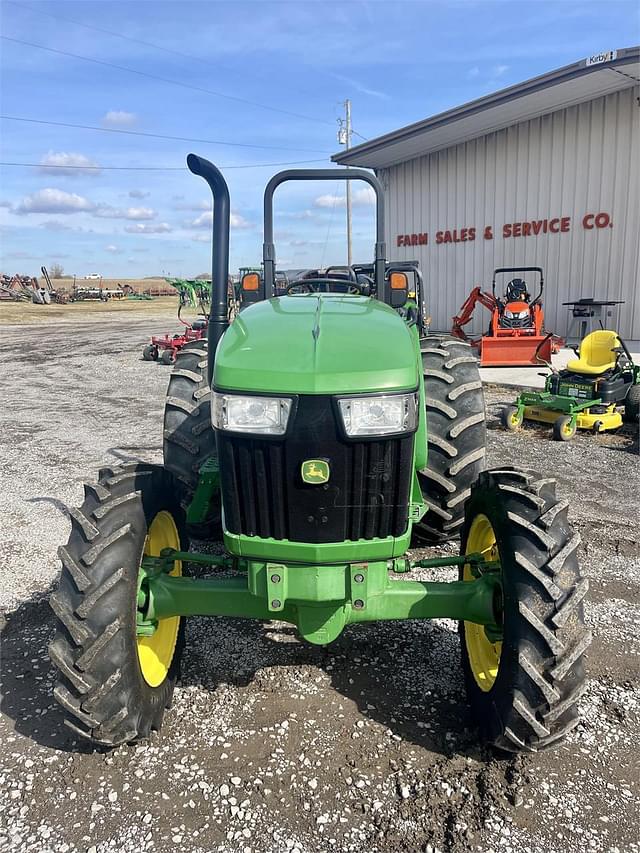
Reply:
x=274, y=745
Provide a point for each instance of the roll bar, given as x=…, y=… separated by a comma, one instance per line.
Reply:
x=519, y=269
x=268, y=248
x=218, y=317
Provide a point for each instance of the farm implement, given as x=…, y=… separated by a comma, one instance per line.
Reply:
x=192, y=293
x=24, y=288
x=516, y=335
x=318, y=435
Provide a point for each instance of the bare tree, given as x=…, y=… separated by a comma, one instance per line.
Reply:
x=57, y=271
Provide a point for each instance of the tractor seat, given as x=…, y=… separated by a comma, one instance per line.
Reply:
x=597, y=353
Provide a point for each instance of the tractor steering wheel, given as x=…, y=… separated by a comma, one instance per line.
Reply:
x=312, y=285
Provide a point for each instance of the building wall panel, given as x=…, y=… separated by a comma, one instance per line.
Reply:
x=583, y=159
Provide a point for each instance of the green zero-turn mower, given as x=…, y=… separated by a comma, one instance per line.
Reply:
x=318, y=435
x=587, y=394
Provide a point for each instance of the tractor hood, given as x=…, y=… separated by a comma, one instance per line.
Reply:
x=317, y=344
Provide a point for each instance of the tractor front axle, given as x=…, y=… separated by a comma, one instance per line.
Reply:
x=319, y=600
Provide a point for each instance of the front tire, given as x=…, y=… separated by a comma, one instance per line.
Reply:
x=524, y=688
x=456, y=435
x=563, y=429
x=114, y=686
x=511, y=418
x=150, y=353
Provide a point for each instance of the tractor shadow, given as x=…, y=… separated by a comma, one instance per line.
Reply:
x=28, y=677
x=62, y=507
x=131, y=453
x=405, y=676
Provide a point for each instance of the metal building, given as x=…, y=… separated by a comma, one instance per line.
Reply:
x=545, y=173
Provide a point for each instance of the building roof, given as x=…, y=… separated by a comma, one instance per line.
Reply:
x=582, y=81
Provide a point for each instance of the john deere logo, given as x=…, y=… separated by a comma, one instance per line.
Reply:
x=315, y=471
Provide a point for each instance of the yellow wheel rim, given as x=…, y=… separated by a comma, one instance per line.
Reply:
x=155, y=653
x=484, y=656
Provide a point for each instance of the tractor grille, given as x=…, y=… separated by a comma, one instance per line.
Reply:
x=263, y=494
x=516, y=322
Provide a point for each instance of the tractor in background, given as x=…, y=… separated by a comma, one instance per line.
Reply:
x=516, y=336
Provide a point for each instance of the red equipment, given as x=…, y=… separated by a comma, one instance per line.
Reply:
x=163, y=348
x=516, y=336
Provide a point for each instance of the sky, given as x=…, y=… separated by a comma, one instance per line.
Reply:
x=253, y=86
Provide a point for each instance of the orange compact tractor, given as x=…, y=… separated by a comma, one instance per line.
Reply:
x=516, y=335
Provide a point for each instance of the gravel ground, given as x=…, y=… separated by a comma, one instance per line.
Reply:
x=274, y=745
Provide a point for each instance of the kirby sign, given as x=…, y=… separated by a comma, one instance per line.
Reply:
x=529, y=228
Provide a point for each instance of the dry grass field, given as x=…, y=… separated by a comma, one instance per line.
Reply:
x=26, y=313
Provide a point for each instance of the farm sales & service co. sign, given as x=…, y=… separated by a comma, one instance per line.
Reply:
x=529, y=228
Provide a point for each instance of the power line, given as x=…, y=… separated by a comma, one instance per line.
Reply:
x=164, y=79
x=157, y=135
x=155, y=168
x=190, y=56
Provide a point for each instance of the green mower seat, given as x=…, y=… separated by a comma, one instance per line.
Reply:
x=597, y=353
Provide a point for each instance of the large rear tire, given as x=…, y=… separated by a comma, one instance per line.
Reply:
x=524, y=683
x=114, y=686
x=189, y=439
x=632, y=405
x=456, y=435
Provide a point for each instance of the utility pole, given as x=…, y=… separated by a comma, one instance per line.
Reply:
x=344, y=138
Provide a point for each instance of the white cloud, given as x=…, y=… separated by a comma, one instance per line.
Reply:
x=105, y=211
x=192, y=205
x=63, y=163
x=145, y=228
x=237, y=221
x=364, y=196
x=140, y=213
x=201, y=238
x=499, y=70
x=113, y=249
x=205, y=220
x=473, y=72
x=139, y=194
x=54, y=201
x=55, y=225
x=119, y=118
x=6, y=204
x=330, y=200
x=359, y=198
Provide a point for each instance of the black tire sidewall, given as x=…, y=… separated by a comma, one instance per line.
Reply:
x=145, y=704
x=489, y=706
x=492, y=709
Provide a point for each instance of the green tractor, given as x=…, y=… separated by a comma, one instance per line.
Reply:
x=318, y=435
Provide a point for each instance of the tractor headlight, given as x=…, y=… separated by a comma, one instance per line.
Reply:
x=512, y=315
x=239, y=413
x=386, y=414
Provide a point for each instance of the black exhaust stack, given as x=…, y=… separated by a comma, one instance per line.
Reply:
x=218, y=316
